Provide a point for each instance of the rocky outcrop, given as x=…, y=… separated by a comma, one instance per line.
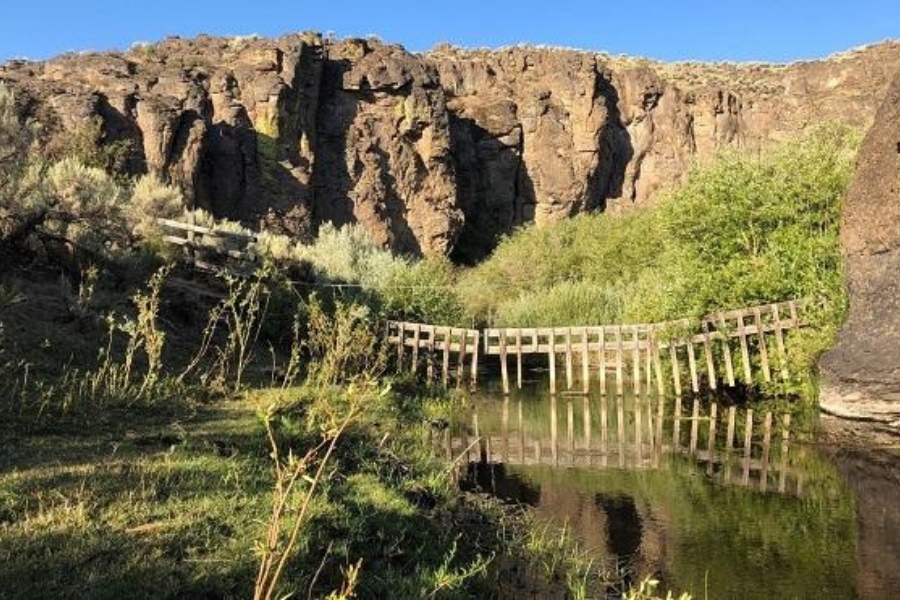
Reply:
x=434, y=153
x=861, y=375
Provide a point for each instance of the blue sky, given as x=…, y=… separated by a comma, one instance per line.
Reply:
x=703, y=30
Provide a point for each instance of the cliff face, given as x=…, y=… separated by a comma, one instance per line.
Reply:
x=861, y=375
x=434, y=153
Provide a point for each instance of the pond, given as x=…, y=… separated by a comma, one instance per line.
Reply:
x=719, y=501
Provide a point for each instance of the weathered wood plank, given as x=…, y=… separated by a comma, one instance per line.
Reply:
x=763, y=350
x=726, y=351
x=707, y=351
x=779, y=341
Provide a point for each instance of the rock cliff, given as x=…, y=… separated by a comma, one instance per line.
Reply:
x=861, y=375
x=434, y=153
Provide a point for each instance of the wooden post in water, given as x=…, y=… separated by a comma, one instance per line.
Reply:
x=401, y=334
x=676, y=368
x=767, y=441
x=635, y=360
x=745, y=353
x=748, y=440
x=648, y=364
x=504, y=364
x=475, y=352
x=676, y=426
x=657, y=366
x=519, y=358
x=445, y=366
x=711, y=443
x=552, y=358
x=602, y=361
x=585, y=362
x=763, y=351
x=461, y=366
x=620, y=384
x=695, y=426
x=726, y=350
x=417, y=331
x=429, y=360
x=707, y=350
x=779, y=340
x=692, y=365
x=783, y=459
x=569, y=373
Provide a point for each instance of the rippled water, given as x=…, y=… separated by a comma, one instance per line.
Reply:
x=743, y=505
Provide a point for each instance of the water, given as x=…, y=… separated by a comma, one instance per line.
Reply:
x=733, y=507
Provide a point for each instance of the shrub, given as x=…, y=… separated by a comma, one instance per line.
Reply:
x=84, y=204
x=566, y=303
x=423, y=291
x=152, y=199
x=743, y=230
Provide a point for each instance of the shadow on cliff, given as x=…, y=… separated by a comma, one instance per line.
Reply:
x=494, y=189
x=616, y=151
x=347, y=153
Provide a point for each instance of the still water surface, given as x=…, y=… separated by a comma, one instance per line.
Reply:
x=735, y=504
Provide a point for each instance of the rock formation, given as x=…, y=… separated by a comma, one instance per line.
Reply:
x=861, y=375
x=434, y=153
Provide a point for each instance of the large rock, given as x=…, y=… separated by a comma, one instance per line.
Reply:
x=434, y=153
x=861, y=375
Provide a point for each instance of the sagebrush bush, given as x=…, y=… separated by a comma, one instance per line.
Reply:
x=84, y=203
x=152, y=199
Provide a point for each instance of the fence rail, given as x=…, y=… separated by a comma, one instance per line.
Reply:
x=431, y=340
x=638, y=348
x=210, y=249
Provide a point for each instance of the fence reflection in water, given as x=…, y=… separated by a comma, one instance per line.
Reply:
x=736, y=445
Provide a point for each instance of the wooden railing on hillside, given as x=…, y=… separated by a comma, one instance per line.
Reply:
x=210, y=249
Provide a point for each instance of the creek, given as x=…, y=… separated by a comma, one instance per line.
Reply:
x=718, y=500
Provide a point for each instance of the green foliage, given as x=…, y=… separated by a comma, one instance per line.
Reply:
x=152, y=199
x=88, y=145
x=565, y=303
x=603, y=249
x=741, y=231
x=422, y=291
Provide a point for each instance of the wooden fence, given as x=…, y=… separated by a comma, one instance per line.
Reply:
x=211, y=249
x=431, y=342
x=617, y=349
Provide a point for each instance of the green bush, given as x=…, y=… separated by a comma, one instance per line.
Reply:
x=743, y=230
x=423, y=291
x=152, y=199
